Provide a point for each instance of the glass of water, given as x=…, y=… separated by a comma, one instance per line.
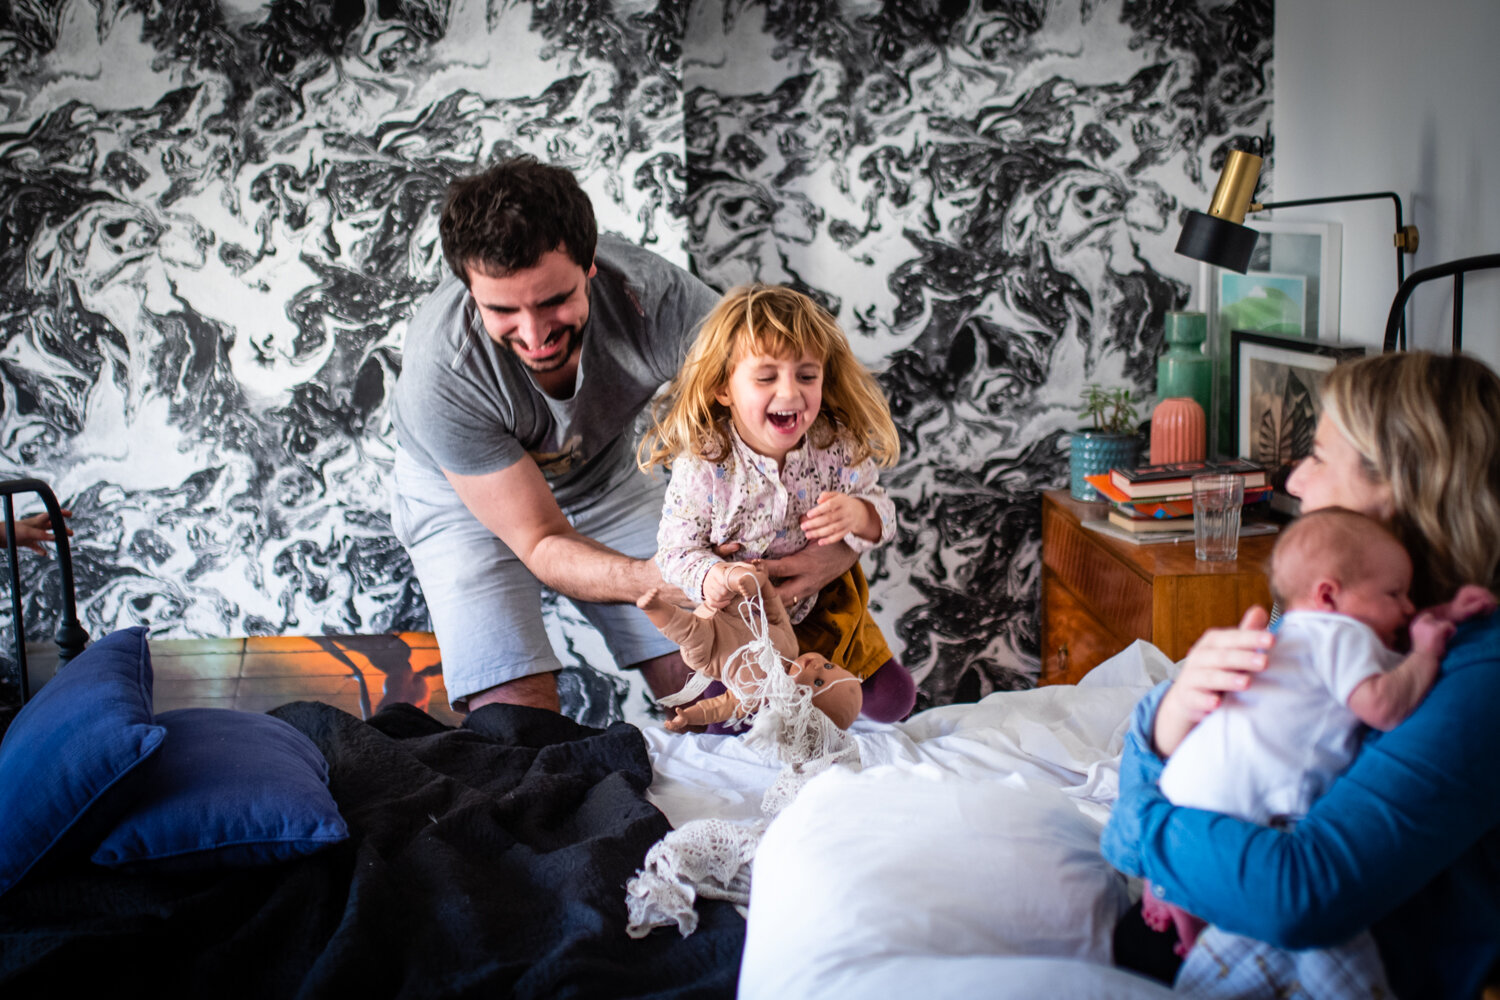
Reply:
x=1217, y=502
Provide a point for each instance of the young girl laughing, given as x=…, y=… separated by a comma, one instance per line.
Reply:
x=774, y=433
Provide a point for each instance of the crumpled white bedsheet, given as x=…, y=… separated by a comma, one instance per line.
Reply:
x=962, y=857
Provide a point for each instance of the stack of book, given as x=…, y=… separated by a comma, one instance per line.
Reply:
x=1152, y=499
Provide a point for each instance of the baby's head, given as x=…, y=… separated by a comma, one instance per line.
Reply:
x=1333, y=559
x=835, y=690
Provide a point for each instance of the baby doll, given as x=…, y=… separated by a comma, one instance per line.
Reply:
x=710, y=640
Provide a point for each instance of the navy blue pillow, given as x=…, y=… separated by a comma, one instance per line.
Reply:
x=230, y=790
x=73, y=754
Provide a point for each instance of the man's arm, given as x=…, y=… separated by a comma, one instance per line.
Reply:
x=517, y=505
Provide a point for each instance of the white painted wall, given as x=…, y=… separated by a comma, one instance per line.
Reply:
x=1395, y=95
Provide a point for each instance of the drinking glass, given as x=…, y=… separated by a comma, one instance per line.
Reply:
x=1217, y=502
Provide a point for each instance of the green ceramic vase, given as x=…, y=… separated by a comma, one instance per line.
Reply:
x=1183, y=369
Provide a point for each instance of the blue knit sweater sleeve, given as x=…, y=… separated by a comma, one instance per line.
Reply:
x=1414, y=801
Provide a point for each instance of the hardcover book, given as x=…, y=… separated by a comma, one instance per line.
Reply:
x=1137, y=525
x=1175, y=505
x=1175, y=478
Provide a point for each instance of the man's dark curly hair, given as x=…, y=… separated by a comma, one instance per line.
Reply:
x=507, y=217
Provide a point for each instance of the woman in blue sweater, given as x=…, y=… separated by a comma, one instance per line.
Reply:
x=1407, y=841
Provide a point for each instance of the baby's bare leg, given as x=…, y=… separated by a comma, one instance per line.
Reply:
x=693, y=635
x=704, y=712
x=677, y=624
x=1160, y=915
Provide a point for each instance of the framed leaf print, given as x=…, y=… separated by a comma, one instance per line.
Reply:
x=1274, y=394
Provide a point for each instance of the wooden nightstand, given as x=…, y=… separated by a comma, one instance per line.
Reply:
x=1100, y=594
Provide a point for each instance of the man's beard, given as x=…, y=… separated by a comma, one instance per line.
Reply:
x=574, y=335
x=575, y=340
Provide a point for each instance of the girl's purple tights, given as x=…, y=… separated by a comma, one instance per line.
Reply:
x=889, y=696
x=890, y=693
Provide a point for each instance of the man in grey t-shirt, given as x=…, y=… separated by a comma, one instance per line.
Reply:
x=521, y=379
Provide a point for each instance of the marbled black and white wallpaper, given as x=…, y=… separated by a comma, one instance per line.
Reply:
x=218, y=214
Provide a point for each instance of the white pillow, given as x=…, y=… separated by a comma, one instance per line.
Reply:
x=870, y=875
x=1007, y=977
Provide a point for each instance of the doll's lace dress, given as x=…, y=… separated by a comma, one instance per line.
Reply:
x=712, y=858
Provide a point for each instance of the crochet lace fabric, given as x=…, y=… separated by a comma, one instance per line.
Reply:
x=712, y=857
x=707, y=857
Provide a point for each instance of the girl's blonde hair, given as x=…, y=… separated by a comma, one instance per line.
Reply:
x=780, y=322
x=1429, y=426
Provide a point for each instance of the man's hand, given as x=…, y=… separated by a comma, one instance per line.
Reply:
x=804, y=573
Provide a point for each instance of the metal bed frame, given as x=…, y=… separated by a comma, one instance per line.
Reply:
x=1395, y=330
x=70, y=637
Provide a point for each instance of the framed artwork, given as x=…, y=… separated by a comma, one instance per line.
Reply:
x=1263, y=300
x=1274, y=394
x=1284, y=252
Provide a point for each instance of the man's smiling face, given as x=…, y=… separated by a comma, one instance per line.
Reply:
x=538, y=312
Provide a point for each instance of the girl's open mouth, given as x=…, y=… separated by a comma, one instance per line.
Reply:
x=783, y=421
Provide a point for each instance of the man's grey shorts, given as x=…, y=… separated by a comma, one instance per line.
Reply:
x=486, y=606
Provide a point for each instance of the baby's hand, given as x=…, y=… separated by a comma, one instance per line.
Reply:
x=1471, y=600
x=716, y=591
x=1429, y=633
x=837, y=515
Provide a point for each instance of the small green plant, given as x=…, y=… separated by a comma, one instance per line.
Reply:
x=1109, y=410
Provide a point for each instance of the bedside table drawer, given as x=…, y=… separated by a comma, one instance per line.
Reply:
x=1073, y=640
x=1110, y=589
x=1099, y=594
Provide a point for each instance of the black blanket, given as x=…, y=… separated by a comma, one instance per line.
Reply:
x=486, y=861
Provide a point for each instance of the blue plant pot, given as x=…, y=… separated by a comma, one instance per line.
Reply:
x=1098, y=451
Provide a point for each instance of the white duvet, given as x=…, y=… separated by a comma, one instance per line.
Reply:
x=962, y=858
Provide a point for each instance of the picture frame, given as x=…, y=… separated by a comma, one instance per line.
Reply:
x=1274, y=395
x=1310, y=250
x=1263, y=300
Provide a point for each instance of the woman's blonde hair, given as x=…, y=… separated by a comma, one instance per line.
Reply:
x=1429, y=426
x=780, y=322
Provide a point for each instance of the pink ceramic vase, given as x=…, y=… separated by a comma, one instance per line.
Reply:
x=1179, y=431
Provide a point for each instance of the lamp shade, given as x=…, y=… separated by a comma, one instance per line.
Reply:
x=1220, y=237
x=1217, y=241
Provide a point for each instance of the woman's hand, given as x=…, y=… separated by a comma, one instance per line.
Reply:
x=1221, y=661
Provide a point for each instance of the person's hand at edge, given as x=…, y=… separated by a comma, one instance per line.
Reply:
x=33, y=531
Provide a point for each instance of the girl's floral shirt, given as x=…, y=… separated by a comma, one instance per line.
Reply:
x=746, y=498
